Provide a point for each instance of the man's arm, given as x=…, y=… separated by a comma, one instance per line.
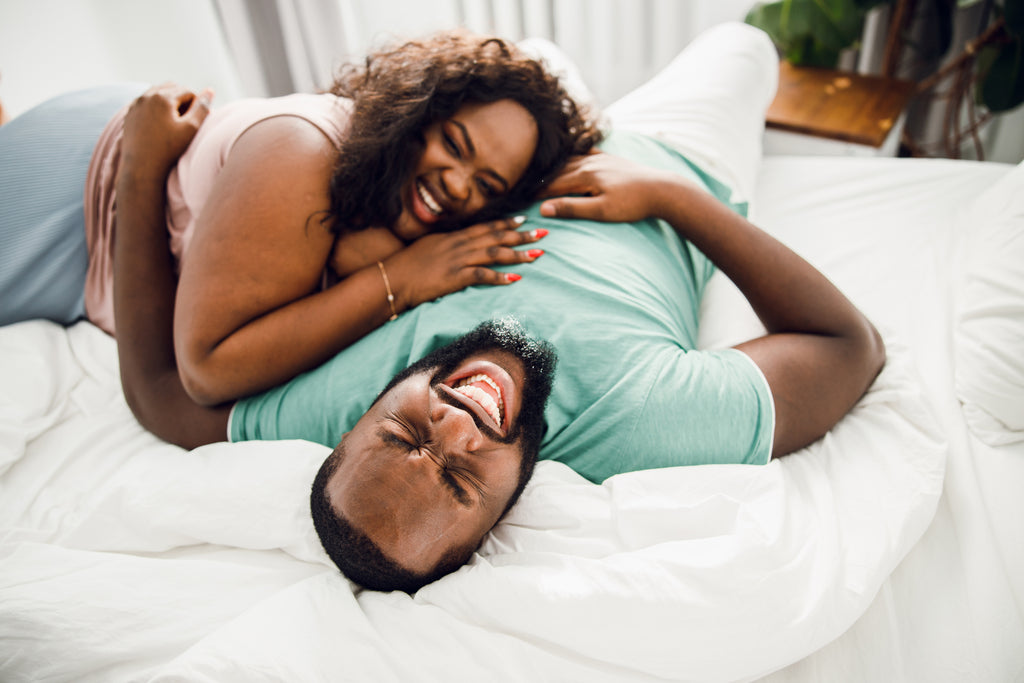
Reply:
x=820, y=354
x=158, y=129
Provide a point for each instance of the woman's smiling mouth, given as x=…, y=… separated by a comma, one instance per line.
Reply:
x=428, y=198
x=425, y=205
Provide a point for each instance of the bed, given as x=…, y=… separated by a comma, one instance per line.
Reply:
x=892, y=549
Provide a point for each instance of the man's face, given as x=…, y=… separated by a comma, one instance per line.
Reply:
x=433, y=464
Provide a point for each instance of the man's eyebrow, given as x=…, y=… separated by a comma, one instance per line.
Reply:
x=389, y=439
x=457, y=490
x=468, y=142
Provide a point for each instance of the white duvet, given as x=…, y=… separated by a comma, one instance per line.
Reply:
x=886, y=551
x=124, y=558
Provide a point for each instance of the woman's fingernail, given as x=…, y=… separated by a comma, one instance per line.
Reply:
x=539, y=232
x=534, y=253
x=519, y=220
x=512, y=277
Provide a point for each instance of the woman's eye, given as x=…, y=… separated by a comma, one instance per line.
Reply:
x=450, y=144
x=487, y=190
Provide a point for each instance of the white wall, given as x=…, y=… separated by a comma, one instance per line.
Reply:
x=52, y=46
x=617, y=44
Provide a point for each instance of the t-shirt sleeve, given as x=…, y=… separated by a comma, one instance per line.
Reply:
x=706, y=407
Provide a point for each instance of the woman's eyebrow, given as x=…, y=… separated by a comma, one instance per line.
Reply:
x=468, y=142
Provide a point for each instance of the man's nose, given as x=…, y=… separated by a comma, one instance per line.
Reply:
x=455, y=429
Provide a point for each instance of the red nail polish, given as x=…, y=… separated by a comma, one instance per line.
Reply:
x=512, y=277
x=534, y=253
x=540, y=232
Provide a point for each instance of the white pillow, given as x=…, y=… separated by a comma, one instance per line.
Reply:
x=561, y=65
x=709, y=103
x=989, y=316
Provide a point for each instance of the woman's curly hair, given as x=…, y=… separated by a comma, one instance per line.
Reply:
x=399, y=91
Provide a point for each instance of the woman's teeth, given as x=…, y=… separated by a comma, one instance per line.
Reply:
x=428, y=199
x=491, y=406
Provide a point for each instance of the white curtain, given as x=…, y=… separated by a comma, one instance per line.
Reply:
x=286, y=46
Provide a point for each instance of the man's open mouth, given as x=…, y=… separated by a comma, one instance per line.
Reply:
x=486, y=393
x=486, y=390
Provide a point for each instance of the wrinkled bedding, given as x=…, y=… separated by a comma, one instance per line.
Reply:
x=888, y=550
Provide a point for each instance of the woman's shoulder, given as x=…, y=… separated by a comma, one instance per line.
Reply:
x=325, y=111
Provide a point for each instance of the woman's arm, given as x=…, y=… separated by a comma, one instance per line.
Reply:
x=158, y=128
x=250, y=313
x=820, y=354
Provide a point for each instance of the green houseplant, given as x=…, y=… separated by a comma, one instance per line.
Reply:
x=812, y=32
x=986, y=71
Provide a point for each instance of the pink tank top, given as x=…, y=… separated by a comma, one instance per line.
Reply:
x=189, y=183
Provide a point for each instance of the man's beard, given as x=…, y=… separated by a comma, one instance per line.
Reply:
x=538, y=358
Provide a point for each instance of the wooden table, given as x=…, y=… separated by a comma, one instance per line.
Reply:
x=823, y=111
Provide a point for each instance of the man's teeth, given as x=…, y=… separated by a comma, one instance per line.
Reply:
x=428, y=199
x=484, y=399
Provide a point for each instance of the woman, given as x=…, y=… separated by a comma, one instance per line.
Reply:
x=299, y=222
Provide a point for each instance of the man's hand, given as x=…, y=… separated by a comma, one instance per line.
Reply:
x=603, y=187
x=159, y=127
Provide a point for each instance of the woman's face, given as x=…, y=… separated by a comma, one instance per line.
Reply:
x=468, y=161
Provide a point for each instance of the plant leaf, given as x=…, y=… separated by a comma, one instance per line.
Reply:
x=868, y=4
x=982, y=64
x=1003, y=86
x=1013, y=13
x=767, y=16
x=810, y=32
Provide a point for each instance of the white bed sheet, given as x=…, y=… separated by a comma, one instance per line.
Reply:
x=953, y=609
x=890, y=550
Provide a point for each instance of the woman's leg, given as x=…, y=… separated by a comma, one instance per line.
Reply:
x=709, y=103
x=44, y=156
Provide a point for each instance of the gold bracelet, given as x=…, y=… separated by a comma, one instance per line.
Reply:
x=387, y=286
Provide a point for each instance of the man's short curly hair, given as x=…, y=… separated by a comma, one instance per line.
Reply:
x=399, y=91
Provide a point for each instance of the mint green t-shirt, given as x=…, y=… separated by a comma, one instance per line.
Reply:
x=620, y=304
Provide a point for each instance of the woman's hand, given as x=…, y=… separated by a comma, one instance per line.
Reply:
x=159, y=127
x=607, y=188
x=441, y=263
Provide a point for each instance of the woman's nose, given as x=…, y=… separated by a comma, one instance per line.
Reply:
x=457, y=182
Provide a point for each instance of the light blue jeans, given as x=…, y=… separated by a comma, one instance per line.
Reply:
x=44, y=157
